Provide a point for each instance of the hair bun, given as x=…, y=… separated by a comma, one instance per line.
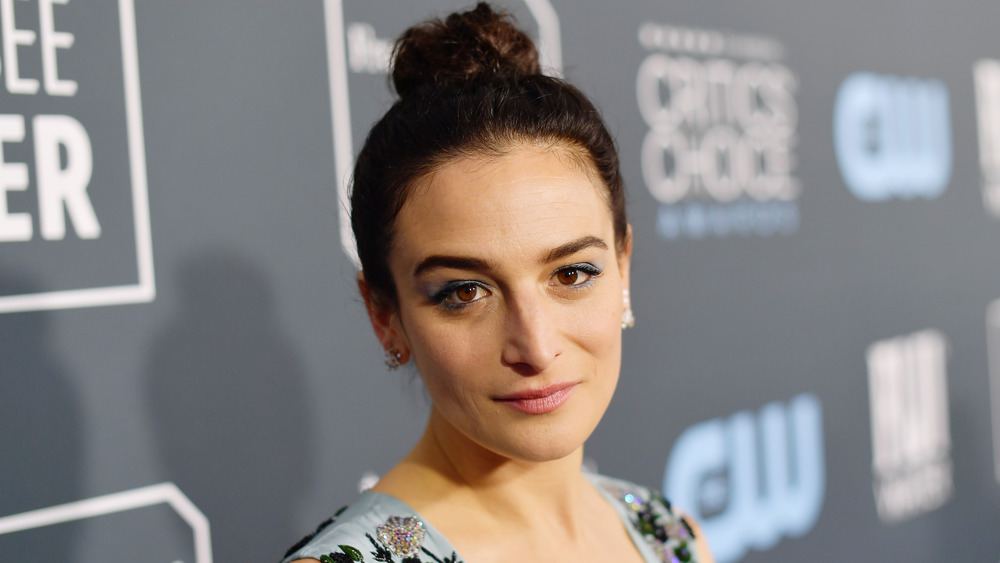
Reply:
x=467, y=46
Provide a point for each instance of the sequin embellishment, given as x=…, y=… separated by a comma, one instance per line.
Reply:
x=402, y=536
x=664, y=531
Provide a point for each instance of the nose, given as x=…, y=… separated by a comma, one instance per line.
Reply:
x=531, y=334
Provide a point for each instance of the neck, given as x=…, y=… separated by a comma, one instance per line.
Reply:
x=447, y=469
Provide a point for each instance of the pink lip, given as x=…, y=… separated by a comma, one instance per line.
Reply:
x=539, y=401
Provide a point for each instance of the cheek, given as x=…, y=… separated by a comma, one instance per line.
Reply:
x=449, y=355
x=598, y=326
x=607, y=349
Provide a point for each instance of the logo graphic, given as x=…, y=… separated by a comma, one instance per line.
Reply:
x=911, y=441
x=993, y=334
x=126, y=501
x=892, y=136
x=987, y=74
x=751, y=479
x=356, y=47
x=74, y=213
x=719, y=155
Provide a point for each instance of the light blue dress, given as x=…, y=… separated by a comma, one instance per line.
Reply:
x=381, y=528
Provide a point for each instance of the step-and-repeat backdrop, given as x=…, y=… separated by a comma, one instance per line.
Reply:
x=187, y=372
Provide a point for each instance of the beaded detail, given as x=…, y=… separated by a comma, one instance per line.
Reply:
x=402, y=536
x=666, y=532
x=399, y=536
x=384, y=553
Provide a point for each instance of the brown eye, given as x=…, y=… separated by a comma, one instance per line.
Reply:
x=467, y=293
x=568, y=277
x=457, y=295
x=575, y=275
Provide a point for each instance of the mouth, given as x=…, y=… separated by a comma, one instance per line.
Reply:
x=539, y=401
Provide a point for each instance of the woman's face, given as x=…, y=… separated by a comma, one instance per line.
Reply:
x=510, y=296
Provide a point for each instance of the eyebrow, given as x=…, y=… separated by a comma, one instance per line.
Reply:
x=456, y=262
x=575, y=246
x=468, y=263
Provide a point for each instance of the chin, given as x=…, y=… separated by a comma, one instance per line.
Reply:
x=548, y=443
x=556, y=435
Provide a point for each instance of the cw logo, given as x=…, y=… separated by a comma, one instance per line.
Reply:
x=892, y=136
x=751, y=479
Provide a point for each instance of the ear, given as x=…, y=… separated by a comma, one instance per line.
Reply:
x=385, y=321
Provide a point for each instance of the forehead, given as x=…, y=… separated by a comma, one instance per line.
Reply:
x=527, y=200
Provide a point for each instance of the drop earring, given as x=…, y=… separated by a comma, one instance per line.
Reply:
x=628, y=319
x=392, y=358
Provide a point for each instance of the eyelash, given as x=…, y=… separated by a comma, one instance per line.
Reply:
x=591, y=270
x=441, y=296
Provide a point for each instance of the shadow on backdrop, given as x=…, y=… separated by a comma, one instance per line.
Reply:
x=227, y=396
x=40, y=431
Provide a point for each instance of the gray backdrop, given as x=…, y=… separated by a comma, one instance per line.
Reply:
x=814, y=267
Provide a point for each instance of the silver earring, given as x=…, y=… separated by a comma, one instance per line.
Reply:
x=392, y=358
x=628, y=319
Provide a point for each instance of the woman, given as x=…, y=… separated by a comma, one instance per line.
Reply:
x=490, y=219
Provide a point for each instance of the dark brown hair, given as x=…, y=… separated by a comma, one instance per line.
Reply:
x=468, y=85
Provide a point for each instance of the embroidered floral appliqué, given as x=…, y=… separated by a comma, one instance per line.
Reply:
x=667, y=533
x=385, y=551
